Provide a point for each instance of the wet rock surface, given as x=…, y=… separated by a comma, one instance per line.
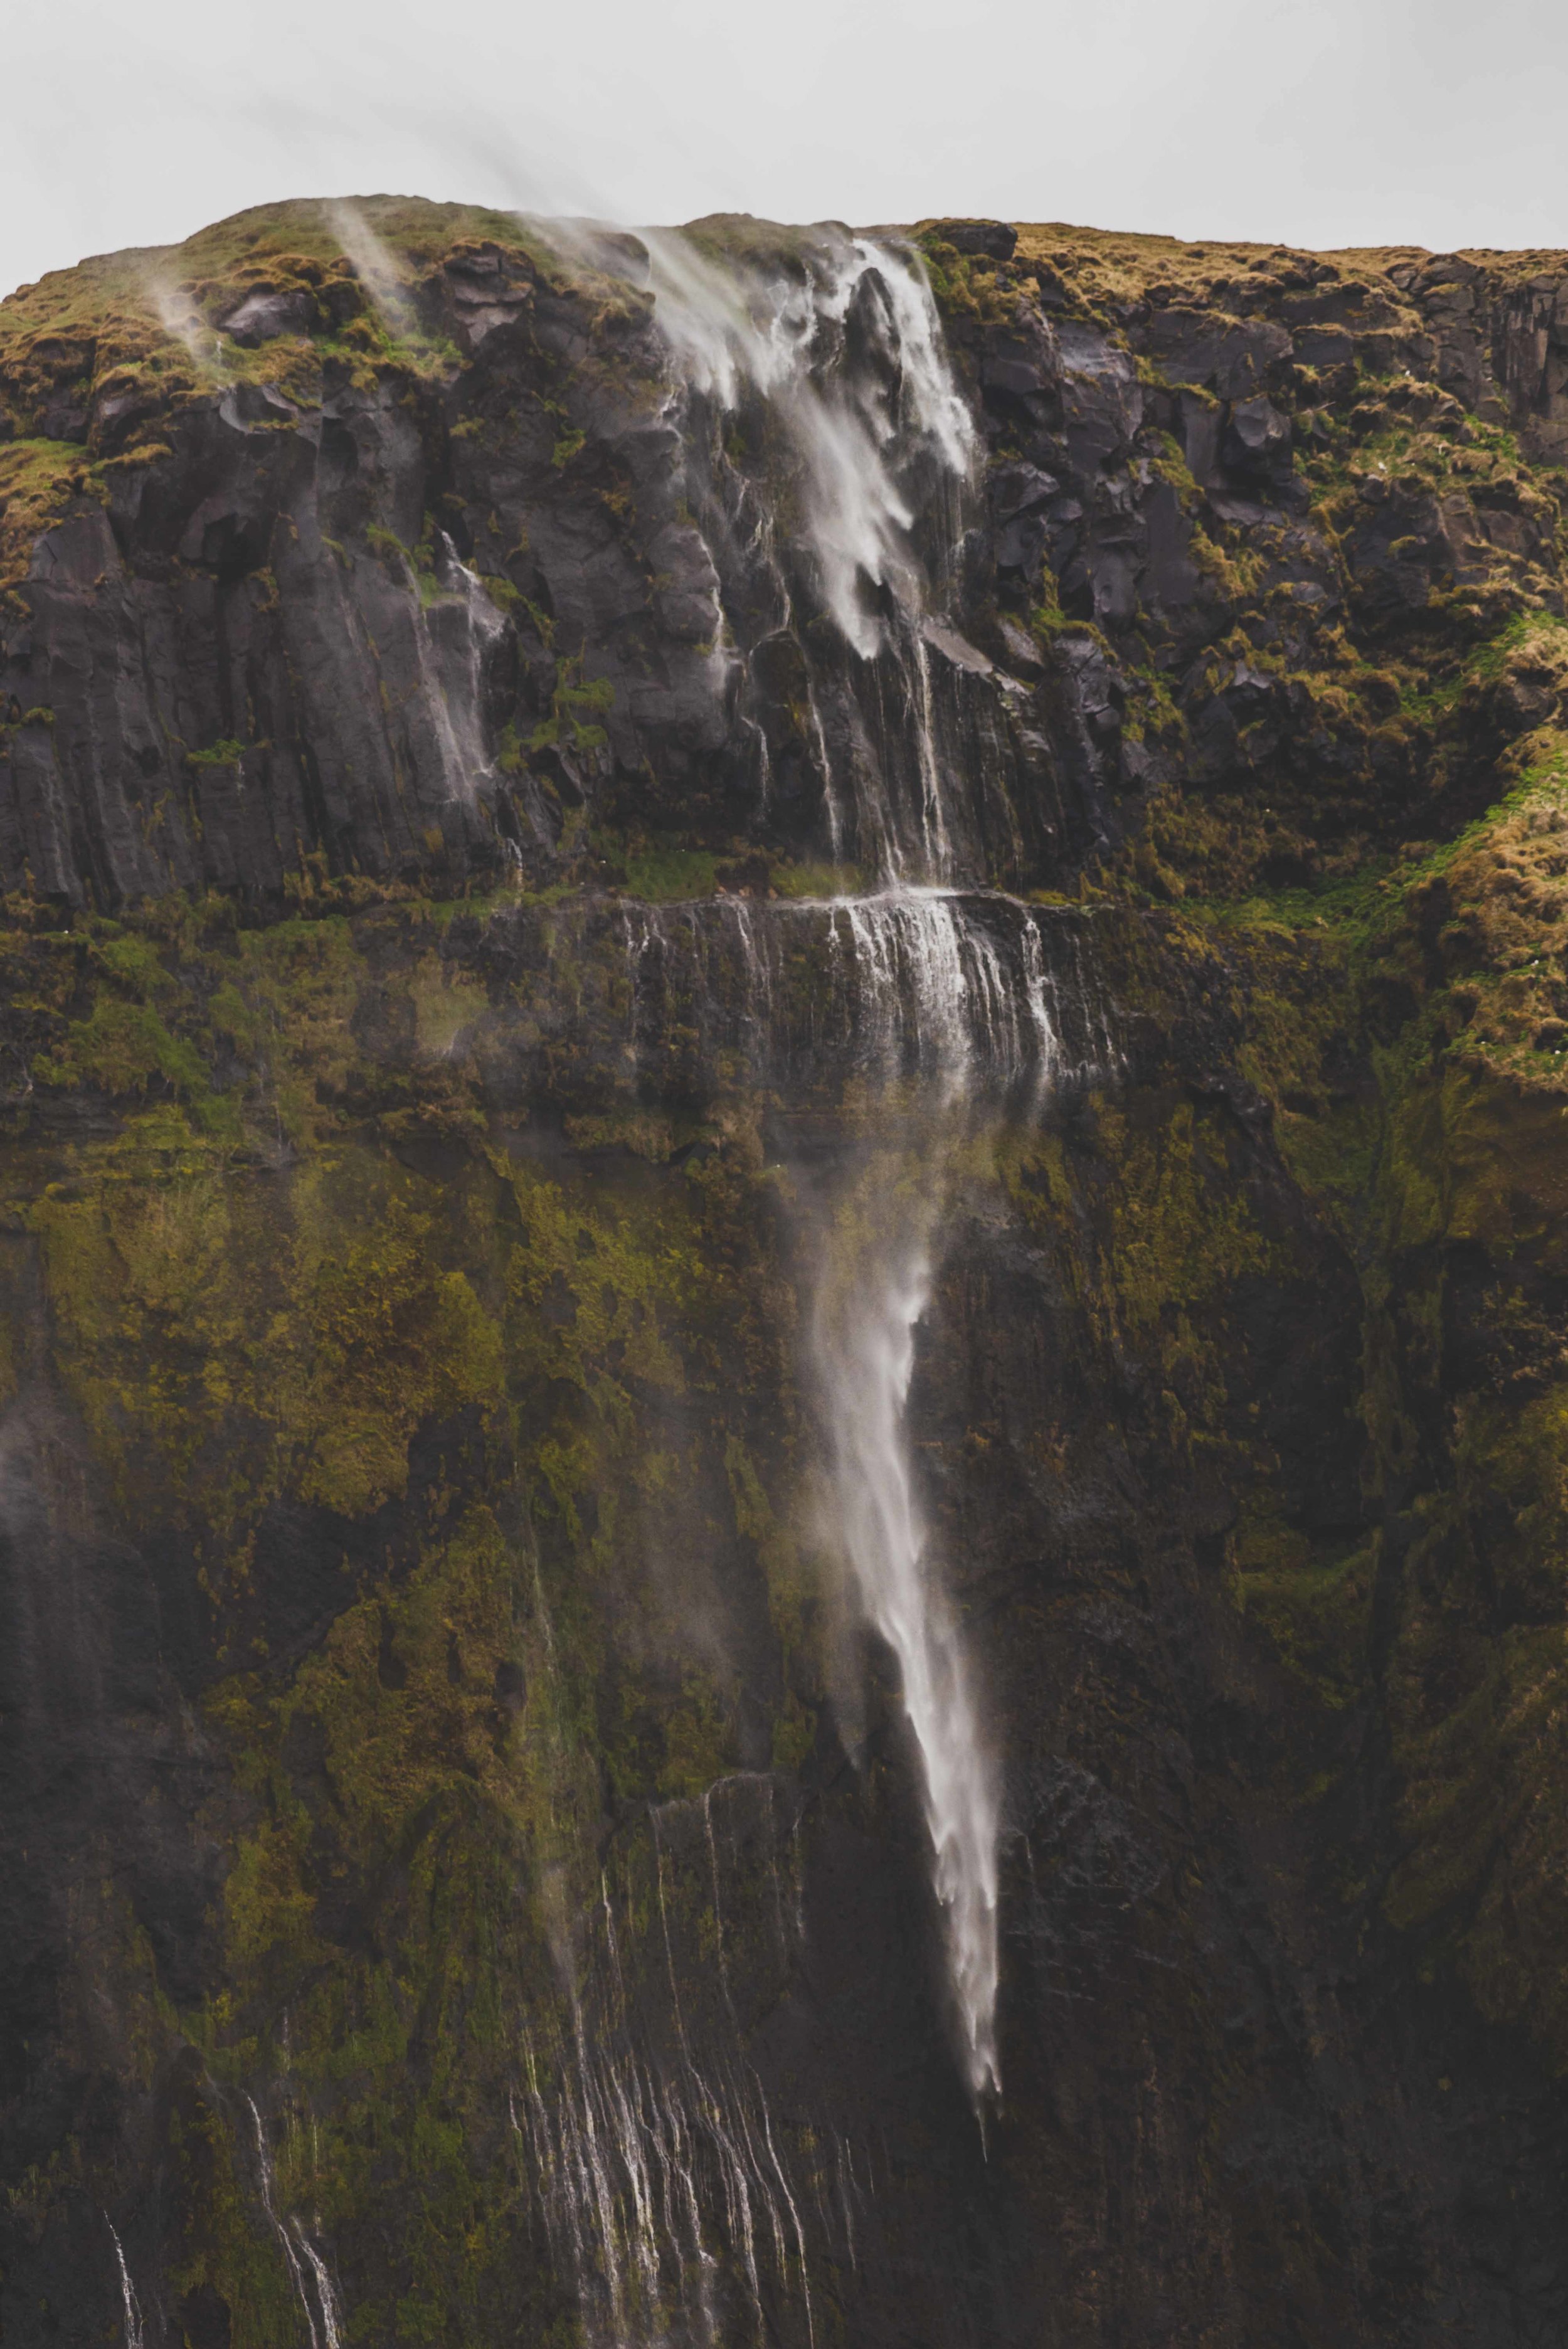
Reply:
x=466, y=1874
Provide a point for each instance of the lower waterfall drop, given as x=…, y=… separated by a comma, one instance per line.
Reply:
x=979, y=1023
x=865, y=1345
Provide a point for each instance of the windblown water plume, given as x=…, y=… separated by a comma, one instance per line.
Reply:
x=835, y=341
x=376, y=264
x=873, y=1288
x=178, y=316
x=826, y=459
x=858, y=432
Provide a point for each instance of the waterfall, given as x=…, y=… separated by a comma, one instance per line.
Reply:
x=828, y=457
x=835, y=338
x=872, y=1289
x=939, y=1008
x=854, y=431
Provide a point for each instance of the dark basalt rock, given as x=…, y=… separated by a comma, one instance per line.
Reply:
x=428, y=1070
x=266, y=314
x=487, y=287
x=994, y=238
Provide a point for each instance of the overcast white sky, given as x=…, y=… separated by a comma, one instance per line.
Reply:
x=1438, y=122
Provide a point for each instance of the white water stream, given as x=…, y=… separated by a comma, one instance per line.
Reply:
x=925, y=975
x=853, y=431
x=135, y=2335
x=295, y=2244
x=865, y=1348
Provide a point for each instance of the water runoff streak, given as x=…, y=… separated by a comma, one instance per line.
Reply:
x=317, y=2298
x=679, y=2204
x=135, y=2332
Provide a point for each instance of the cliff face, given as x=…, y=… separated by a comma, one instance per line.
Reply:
x=467, y=1874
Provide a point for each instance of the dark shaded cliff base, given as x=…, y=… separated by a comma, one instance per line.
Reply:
x=425, y=1693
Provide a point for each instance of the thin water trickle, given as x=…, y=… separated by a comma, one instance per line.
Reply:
x=135, y=2336
x=294, y=2242
x=670, y=2198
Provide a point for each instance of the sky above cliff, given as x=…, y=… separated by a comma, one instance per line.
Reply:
x=1347, y=122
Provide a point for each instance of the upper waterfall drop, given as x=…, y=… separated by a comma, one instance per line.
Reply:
x=831, y=460
x=855, y=431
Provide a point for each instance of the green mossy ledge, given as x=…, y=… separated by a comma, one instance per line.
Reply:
x=414, y=1540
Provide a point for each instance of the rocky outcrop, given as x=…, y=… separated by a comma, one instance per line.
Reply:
x=419, y=615
x=464, y=1872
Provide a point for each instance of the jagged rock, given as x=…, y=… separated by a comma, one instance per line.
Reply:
x=487, y=287
x=994, y=238
x=1232, y=358
x=1257, y=442
x=268, y=312
x=1019, y=496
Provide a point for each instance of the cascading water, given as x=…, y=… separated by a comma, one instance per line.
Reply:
x=680, y=2204
x=910, y=983
x=936, y=992
x=866, y=1349
x=855, y=432
x=833, y=347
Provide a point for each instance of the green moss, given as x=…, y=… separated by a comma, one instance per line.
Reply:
x=575, y=705
x=433, y=1767
x=965, y=284
x=665, y=875
x=699, y=1746
x=394, y=1342
x=794, y=1604
x=1316, y=1609
x=818, y=880
x=1180, y=1236
x=123, y=1047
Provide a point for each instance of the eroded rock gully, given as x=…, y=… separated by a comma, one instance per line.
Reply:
x=662, y=895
